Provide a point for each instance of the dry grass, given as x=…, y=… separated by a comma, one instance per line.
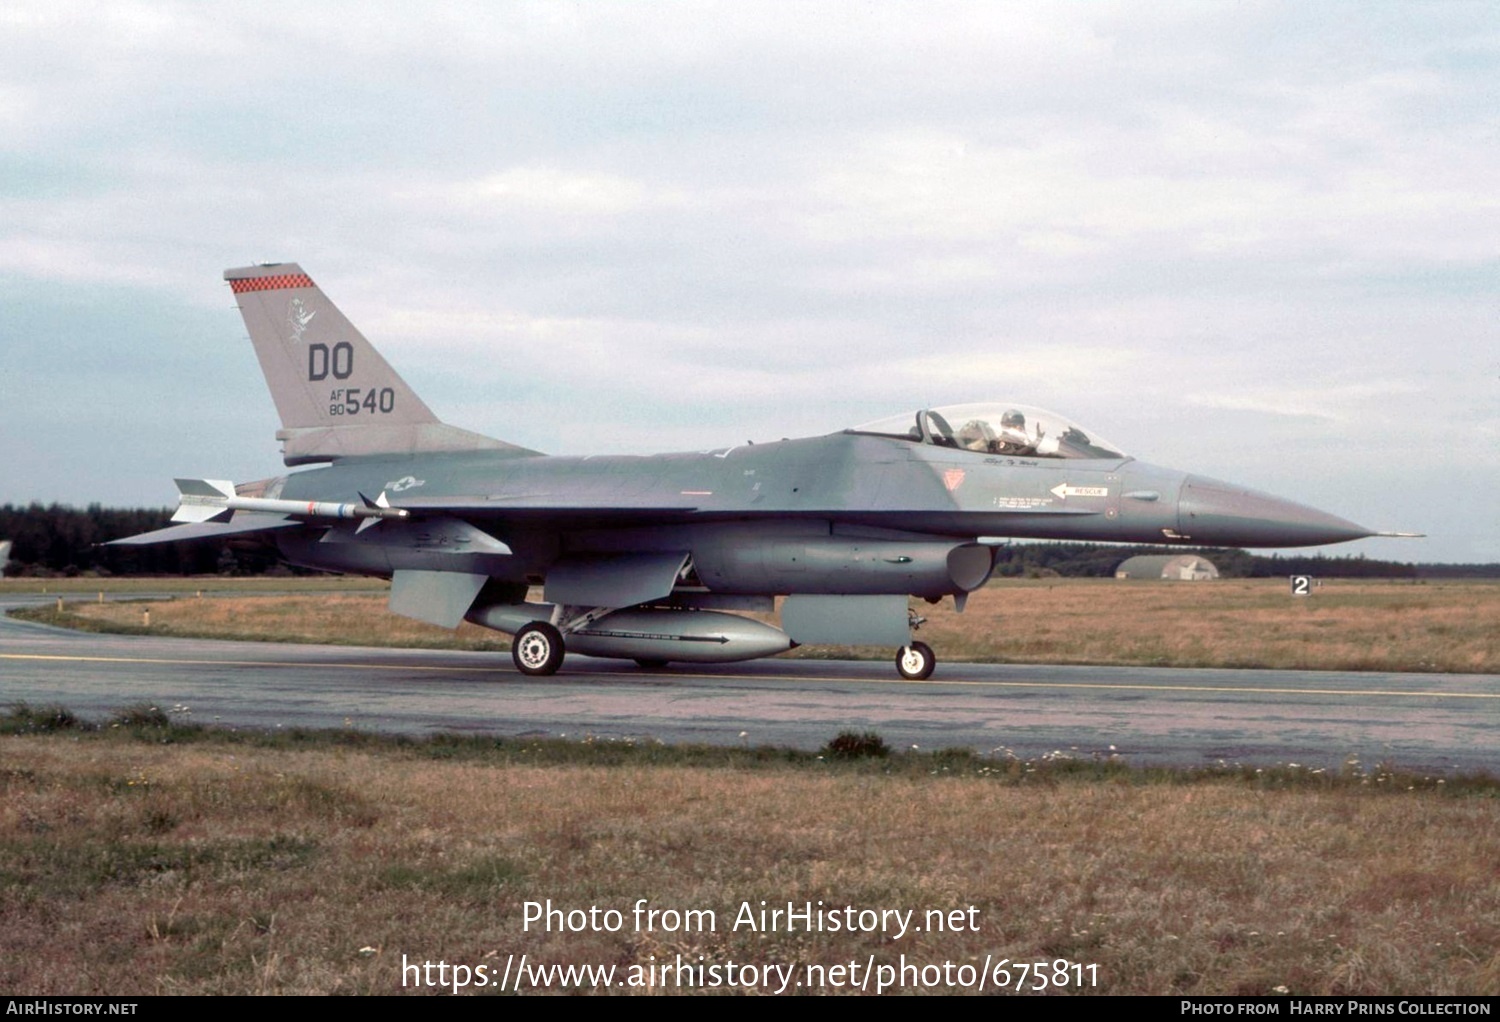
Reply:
x=1386, y=626
x=355, y=619
x=128, y=868
x=1357, y=626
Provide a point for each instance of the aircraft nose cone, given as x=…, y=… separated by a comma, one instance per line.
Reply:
x=1222, y=514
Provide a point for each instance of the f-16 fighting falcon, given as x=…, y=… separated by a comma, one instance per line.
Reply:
x=659, y=558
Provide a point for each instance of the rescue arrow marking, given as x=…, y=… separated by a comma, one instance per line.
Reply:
x=1064, y=491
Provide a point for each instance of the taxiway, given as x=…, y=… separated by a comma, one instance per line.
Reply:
x=1181, y=717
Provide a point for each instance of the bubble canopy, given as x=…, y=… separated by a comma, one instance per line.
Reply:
x=1018, y=430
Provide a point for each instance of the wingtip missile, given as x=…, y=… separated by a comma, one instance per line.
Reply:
x=214, y=500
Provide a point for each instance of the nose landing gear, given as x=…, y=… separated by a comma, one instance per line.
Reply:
x=916, y=661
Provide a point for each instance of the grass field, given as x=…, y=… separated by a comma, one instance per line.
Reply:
x=1374, y=626
x=146, y=857
x=150, y=857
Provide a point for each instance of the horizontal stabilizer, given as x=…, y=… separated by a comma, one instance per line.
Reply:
x=242, y=524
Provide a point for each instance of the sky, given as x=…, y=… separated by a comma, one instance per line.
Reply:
x=1258, y=241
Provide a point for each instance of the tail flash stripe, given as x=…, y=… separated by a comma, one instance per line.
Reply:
x=279, y=282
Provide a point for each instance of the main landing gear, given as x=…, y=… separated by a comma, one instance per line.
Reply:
x=537, y=649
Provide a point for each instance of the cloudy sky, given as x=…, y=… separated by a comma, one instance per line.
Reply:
x=1258, y=241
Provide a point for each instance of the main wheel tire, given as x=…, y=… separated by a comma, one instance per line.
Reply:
x=537, y=649
x=916, y=661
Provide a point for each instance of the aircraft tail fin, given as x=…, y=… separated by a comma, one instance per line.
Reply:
x=334, y=392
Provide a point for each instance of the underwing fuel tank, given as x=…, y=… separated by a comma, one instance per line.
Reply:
x=686, y=636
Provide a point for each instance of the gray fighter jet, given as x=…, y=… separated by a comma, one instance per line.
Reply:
x=660, y=558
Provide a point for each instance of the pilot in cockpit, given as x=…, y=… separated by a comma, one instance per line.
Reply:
x=1012, y=438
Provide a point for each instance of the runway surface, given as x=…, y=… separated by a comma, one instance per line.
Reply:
x=1183, y=717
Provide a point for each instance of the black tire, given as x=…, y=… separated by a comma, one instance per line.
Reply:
x=916, y=661
x=650, y=663
x=537, y=649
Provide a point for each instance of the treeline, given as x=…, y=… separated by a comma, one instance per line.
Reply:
x=1457, y=571
x=57, y=539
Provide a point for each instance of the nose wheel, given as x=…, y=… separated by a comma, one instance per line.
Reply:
x=537, y=649
x=916, y=661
